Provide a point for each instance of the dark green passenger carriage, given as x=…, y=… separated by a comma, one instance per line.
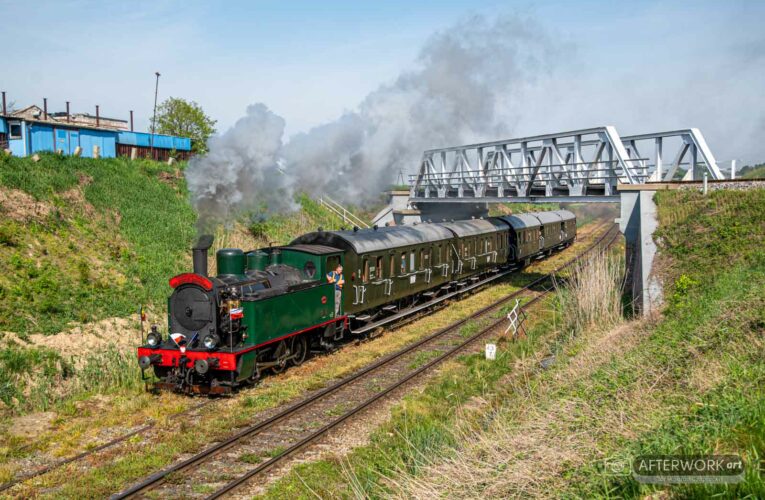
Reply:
x=479, y=245
x=385, y=267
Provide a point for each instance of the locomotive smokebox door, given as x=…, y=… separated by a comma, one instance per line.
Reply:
x=192, y=308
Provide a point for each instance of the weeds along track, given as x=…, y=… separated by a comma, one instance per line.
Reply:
x=260, y=447
x=109, y=444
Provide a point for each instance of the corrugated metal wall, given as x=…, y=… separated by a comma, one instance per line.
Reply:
x=160, y=141
x=106, y=141
x=42, y=137
x=38, y=137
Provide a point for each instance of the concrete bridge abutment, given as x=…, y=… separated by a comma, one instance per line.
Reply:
x=637, y=223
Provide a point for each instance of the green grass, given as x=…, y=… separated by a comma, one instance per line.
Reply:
x=280, y=229
x=752, y=172
x=77, y=265
x=715, y=315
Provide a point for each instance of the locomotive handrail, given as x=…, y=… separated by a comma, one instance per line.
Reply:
x=444, y=269
x=388, y=285
x=412, y=273
x=473, y=260
x=363, y=290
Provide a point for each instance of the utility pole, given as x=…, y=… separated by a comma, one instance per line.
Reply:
x=154, y=119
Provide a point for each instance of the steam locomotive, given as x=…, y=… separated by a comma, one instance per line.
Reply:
x=270, y=308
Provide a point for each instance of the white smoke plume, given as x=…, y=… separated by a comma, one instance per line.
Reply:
x=463, y=88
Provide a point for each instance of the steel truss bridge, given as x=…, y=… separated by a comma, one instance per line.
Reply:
x=580, y=165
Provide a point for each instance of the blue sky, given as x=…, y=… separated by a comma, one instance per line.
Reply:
x=642, y=66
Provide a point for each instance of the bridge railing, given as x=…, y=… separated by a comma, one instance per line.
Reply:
x=580, y=163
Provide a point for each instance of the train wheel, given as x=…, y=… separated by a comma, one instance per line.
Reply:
x=280, y=356
x=299, y=349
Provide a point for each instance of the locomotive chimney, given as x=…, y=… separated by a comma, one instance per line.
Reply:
x=45, y=108
x=199, y=254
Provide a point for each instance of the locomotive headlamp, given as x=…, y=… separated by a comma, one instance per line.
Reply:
x=211, y=341
x=154, y=339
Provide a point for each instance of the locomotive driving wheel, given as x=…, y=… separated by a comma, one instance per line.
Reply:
x=299, y=349
x=281, y=353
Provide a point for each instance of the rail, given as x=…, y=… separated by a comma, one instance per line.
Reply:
x=158, y=478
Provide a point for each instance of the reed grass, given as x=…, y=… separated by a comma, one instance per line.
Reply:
x=592, y=295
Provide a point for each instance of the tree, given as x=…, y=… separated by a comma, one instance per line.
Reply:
x=183, y=118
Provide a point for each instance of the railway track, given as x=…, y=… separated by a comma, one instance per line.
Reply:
x=143, y=429
x=295, y=428
x=92, y=451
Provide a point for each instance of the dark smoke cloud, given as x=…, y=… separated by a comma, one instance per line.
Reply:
x=464, y=83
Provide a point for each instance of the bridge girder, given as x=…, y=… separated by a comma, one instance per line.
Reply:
x=579, y=164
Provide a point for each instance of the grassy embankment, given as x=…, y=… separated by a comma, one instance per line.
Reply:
x=690, y=383
x=86, y=242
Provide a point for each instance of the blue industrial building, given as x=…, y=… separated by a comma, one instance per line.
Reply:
x=33, y=130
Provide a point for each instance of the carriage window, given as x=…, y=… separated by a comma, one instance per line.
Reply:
x=411, y=261
x=403, y=263
x=422, y=259
x=309, y=269
x=392, y=265
x=379, y=267
x=365, y=276
x=332, y=263
x=427, y=257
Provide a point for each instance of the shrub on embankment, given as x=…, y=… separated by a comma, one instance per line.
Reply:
x=84, y=239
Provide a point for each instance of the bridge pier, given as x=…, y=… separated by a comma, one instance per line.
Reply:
x=638, y=222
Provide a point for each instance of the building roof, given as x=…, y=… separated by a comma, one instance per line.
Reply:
x=34, y=114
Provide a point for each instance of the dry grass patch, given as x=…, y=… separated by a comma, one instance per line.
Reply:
x=592, y=294
x=533, y=434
